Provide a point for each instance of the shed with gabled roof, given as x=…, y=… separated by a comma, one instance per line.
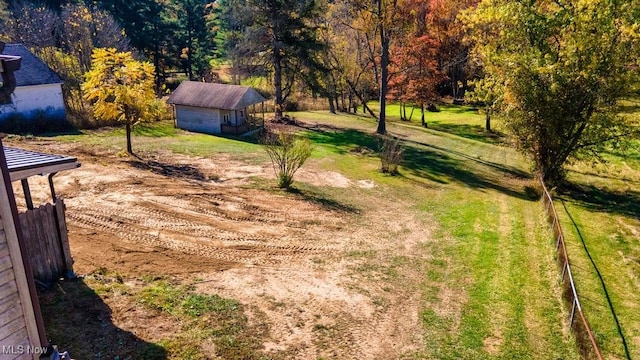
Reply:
x=213, y=108
x=38, y=92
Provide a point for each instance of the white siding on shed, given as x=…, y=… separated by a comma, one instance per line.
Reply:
x=198, y=119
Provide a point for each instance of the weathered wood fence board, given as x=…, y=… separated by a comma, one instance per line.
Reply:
x=45, y=235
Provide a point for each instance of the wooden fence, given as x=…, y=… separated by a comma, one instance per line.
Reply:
x=45, y=234
x=584, y=334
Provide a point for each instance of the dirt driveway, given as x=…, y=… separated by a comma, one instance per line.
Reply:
x=327, y=279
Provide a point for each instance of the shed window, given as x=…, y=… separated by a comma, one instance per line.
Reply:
x=225, y=118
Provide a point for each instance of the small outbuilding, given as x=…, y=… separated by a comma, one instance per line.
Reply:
x=38, y=91
x=215, y=108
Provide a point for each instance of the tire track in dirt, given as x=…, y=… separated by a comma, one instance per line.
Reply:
x=257, y=215
x=248, y=256
x=156, y=227
x=166, y=220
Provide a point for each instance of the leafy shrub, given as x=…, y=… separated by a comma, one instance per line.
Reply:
x=287, y=154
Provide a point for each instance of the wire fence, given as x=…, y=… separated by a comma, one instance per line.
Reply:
x=584, y=335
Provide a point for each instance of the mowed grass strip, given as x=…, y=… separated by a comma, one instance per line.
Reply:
x=497, y=294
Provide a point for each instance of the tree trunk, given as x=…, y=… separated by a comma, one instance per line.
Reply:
x=189, y=55
x=277, y=65
x=364, y=103
x=277, y=87
x=332, y=107
x=129, y=148
x=424, y=124
x=156, y=63
x=487, y=123
x=384, y=77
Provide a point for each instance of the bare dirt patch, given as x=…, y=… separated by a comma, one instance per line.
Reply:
x=295, y=263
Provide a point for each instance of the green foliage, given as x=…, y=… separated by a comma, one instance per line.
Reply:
x=287, y=154
x=121, y=88
x=277, y=34
x=195, y=36
x=564, y=65
x=489, y=94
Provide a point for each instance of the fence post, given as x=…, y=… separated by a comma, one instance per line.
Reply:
x=61, y=224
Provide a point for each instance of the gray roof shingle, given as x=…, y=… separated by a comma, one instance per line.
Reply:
x=215, y=96
x=33, y=71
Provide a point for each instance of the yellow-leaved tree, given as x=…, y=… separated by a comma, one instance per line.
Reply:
x=121, y=88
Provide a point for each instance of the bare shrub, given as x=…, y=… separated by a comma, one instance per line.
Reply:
x=287, y=153
x=390, y=154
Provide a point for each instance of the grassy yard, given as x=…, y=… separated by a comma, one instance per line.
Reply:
x=488, y=285
x=464, y=121
x=491, y=284
x=599, y=211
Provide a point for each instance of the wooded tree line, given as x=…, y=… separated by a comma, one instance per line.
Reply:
x=554, y=71
x=346, y=51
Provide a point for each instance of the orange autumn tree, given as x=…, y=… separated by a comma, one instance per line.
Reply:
x=452, y=53
x=414, y=70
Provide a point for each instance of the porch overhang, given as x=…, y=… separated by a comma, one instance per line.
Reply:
x=23, y=164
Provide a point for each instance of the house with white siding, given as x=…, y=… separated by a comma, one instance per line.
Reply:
x=213, y=108
x=38, y=92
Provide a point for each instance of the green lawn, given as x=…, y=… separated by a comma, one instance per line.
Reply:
x=491, y=285
x=162, y=135
x=464, y=121
x=602, y=198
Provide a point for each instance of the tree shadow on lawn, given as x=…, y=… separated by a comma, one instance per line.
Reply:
x=78, y=321
x=508, y=170
x=68, y=131
x=343, y=140
x=169, y=170
x=323, y=201
x=603, y=199
x=472, y=132
x=432, y=162
x=439, y=167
